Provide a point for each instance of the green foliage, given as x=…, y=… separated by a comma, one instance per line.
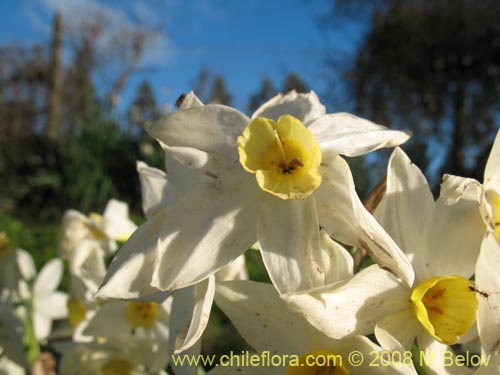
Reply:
x=40, y=240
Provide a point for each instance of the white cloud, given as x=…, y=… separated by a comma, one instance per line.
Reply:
x=119, y=21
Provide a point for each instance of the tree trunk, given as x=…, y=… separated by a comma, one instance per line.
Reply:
x=55, y=84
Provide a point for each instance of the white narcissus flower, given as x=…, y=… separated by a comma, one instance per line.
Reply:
x=48, y=304
x=245, y=191
x=191, y=305
x=442, y=242
x=487, y=196
x=267, y=325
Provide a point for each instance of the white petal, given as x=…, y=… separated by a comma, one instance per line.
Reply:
x=453, y=235
x=129, y=274
x=73, y=230
x=345, y=218
x=184, y=301
x=346, y=134
x=437, y=360
x=340, y=265
x=204, y=296
x=406, y=207
x=26, y=264
x=181, y=179
x=288, y=233
x=88, y=265
x=454, y=188
x=396, y=332
x=262, y=318
x=116, y=222
x=204, y=231
x=236, y=270
x=42, y=325
x=373, y=356
x=154, y=187
x=53, y=306
x=49, y=277
x=190, y=100
x=492, y=169
x=353, y=307
x=202, y=137
x=110, y=321
x=305, y=107
x=488, y=280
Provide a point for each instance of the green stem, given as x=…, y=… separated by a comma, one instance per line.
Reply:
x=30, y=341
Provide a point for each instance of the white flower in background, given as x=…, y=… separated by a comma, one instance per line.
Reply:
x=85, y=241
x=267, y=325
x=487, y=195
x=46, y=303
x=114, y=225
x=442, y=242
x=108, y=358
x=12, y=356
x=124, y=337
x=228, y=209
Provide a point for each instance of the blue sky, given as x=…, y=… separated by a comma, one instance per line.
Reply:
x=241, y=40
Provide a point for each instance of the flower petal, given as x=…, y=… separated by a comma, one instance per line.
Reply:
x=154, y=188
x=262, y=318
x=189, y=100
x=116, y=222
x=349, y=135
x=53, y=305
x=456, y=231
x=236, y=270
x=203, y=298
x=129, y=274
x=439, y=358
x=42, y=326
x=345, y=218
x=49, y=277
x=202, y=137
x=355, y=306
x=488, y=280
x=406, y=207
x=492, y=169
x=26, y=264
x=394, y=336
x=288, y=232
x=305, y=107
x=454, y=188
x=204, y=231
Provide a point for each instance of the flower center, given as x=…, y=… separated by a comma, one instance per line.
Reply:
x=141, y=314
x=446, y=306
x=117, y=366
x=283, y=155
x=76, y=311
x=318, y=362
